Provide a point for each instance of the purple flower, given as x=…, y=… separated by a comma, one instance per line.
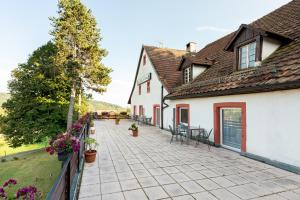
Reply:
x=26, y=192
x=9, y=182
x=2, y=193
x=77, y=126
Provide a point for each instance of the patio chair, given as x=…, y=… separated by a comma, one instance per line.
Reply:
x=204, y=138
x=174, y=133
x=183, y=131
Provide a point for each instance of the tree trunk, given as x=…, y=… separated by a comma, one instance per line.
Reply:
x=79, y=103
x=71, y=105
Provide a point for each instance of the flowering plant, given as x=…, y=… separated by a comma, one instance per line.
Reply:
x=28, y=192
x=63, y=143
x=7, y=183
x=76, y=127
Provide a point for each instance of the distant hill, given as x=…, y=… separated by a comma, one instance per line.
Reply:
x=100, y=105
x=94, y=105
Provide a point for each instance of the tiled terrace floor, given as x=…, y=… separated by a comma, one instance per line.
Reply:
x=149, y=167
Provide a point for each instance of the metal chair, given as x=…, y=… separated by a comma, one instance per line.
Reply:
x=174, y=133
x=183, y=131
x=204, y=137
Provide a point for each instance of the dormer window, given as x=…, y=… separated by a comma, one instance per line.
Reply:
x=247, y=55
x=144, y=60
x=187, y=74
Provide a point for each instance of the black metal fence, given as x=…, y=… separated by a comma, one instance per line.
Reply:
x=67, y=184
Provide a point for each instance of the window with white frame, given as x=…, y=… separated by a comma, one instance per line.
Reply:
x=247, y=55
x=187, y=75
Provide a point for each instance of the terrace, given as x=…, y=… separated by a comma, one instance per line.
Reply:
x=149, y=167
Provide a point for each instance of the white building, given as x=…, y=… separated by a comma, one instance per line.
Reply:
x=246, y=86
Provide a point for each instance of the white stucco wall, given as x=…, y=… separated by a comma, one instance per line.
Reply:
x=269, y=46
x=273, y=128
x=147, y=99
x=198, y=70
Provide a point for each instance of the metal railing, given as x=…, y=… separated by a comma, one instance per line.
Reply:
x=67, y=184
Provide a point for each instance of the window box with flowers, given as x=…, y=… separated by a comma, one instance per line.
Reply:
x=64, y=144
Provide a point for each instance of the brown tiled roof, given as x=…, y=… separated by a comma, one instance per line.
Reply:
x=165, y=62
x=281, y=70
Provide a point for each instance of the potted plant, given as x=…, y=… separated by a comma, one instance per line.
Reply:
x=91, y=152
x=76, y=128
x=117, y=120
x=92, y=128
x=134, y=129
x=63, y=145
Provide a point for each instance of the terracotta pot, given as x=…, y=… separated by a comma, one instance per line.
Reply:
x=90, y=156
x=92, y=130
x=135, y=133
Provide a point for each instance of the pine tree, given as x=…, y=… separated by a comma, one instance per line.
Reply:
x=77, y=38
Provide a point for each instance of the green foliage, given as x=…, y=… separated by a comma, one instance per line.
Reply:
x=77, y=38
x=38, y=100
x=91, y=143
x=133, y=127
x=100, y=105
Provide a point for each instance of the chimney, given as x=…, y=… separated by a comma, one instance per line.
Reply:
x=191, y=47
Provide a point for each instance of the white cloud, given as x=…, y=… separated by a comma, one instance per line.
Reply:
x=213, y=29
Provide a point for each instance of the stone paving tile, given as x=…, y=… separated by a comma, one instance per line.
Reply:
x=290, y=195
x=204, y=196
x=112, y=177
x=191, y=187
x=184, y=197
x=135, y=194
x=149, y=167
x=208, y=184
x=242, y=192
x=223, y=194
x=156, y=192
x=112, y=187
x=223, y=182
x=97, y=197
x=180, y=177
x=130, y=184
x=113, y=196
x=89, y=190
x=147, y=181
x=164, y=179
x=174, y=190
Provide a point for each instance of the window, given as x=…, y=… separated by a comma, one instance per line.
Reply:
x=134, y=110
x=144, y=60
x=184, y=115
x=247, y=55
x=148, y=86
x=187, y=75
x=141, y=110
x=140, y=89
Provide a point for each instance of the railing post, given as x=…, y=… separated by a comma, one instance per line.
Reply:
x=68, y=182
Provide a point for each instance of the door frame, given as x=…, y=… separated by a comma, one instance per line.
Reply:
x=155, y=106
x=217, y=121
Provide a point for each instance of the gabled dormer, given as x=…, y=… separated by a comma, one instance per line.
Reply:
x=252, y=45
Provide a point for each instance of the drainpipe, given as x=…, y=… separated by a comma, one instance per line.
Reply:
x=162, y=108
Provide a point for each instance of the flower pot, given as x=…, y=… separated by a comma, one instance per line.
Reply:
x=92, y=130
x=62, y=156
x=135, y=133
x=90, y=156
x=117, y=122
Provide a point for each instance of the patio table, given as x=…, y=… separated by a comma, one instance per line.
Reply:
x=192, y=129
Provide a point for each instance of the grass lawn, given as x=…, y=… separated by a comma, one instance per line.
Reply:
x=39, y=169
x=6, y=150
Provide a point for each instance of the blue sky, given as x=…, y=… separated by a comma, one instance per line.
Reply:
x=125, y=26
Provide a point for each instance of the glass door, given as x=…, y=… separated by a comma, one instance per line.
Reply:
x=231, y=127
